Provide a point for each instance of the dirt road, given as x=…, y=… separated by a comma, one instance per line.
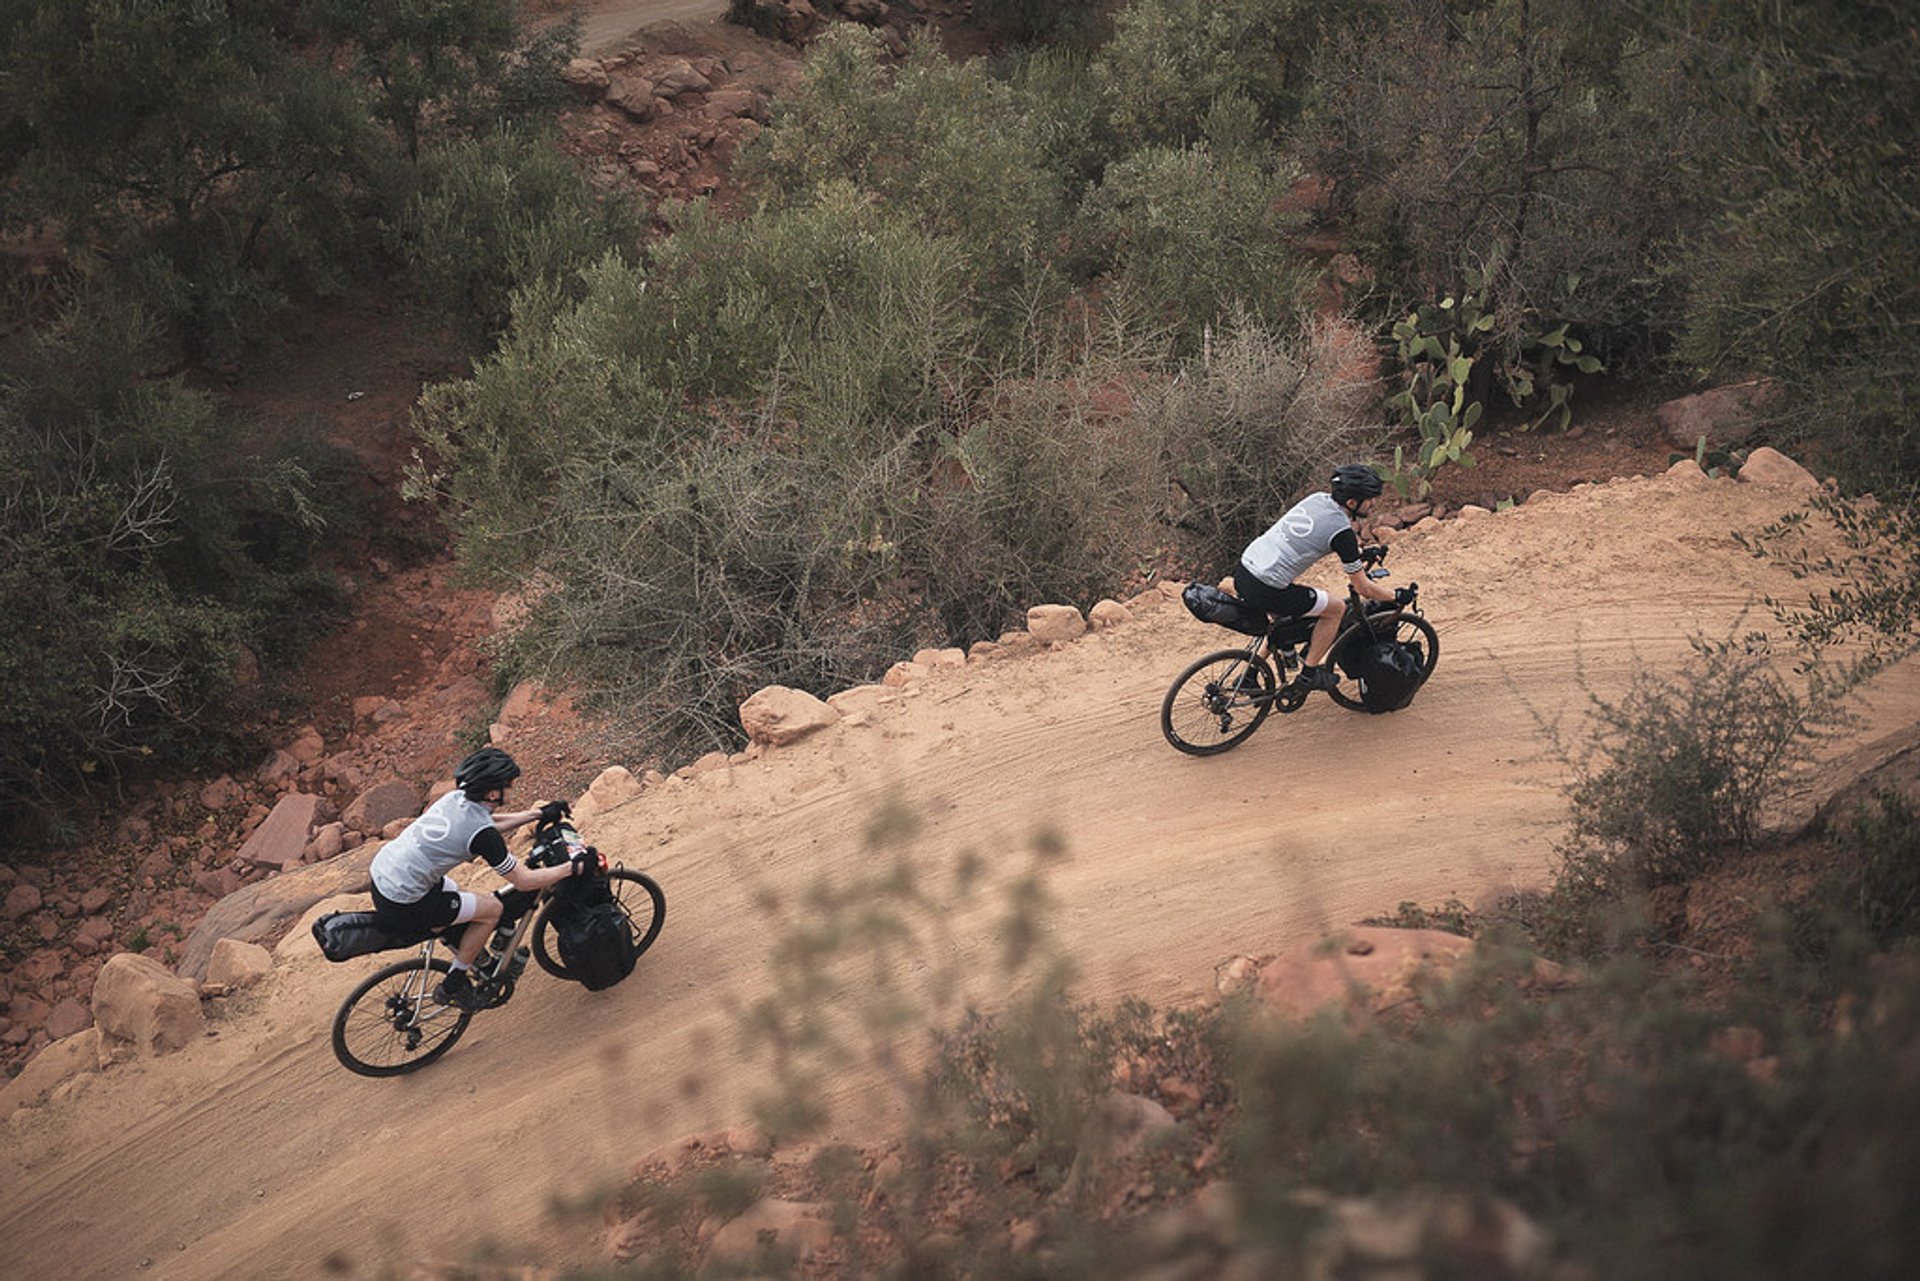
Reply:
x=606, y=24
x=254, y=1155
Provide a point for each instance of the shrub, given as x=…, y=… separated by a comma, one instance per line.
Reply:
x=1193, y=236
x=1044, y=495
x=941, y=144
x=499, y=212
x=150, y=541
x=1256, y=421
x=1532, y=143
x=1674, y=780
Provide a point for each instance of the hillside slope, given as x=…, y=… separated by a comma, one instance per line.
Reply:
x=254, y=1154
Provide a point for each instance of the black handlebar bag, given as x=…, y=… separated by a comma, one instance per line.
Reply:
x=594, y=937
x=1388, y=672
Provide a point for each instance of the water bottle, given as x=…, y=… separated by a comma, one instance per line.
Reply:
x=518, y=964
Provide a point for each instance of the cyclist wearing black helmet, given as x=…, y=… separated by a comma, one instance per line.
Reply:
x=410, y=882
x=1320, y=524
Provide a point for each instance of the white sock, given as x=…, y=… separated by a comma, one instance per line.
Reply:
x=459, y=965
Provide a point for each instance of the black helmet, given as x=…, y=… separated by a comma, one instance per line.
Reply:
x=487, y=770
x=1355, y=481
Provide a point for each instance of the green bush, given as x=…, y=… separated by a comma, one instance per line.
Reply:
x=1802, y=267
x=1532, y=143
x=1674, y=781
x=496, y=213
x=1647, y=1134
x=1193, y=237
x=150, y=542
x=1045, y=495
x=940, y=144
x=1170, y=61
x=1254, y=422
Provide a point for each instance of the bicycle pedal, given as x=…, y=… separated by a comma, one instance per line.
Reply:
x=1290, y=697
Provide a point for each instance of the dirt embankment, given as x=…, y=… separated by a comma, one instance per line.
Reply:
x=254, y=1154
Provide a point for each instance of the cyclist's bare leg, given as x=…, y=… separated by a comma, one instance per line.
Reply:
x=1326, y=626
x=486, y=915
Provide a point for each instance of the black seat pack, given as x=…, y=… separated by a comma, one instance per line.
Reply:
x=1223, y=609
x=345, y=935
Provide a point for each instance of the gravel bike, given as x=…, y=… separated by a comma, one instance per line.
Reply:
x=1224, y=696
x=391, y=1024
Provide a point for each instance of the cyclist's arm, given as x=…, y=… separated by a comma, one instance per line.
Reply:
x=1346, y=545
x=488, y=844
x=514, y=821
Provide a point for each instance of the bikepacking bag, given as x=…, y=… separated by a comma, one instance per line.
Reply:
x=345, y=935
x=594, y=936
x=1223, y=609
x=1389, y=674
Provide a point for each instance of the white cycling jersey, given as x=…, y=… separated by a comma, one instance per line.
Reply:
x=1311, y=529
x=447, y=834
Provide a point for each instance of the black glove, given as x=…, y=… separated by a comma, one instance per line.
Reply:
x=587, y=862
x=1403, y=595
x=553, y=811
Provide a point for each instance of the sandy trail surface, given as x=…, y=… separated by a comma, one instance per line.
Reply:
x=253, y=1154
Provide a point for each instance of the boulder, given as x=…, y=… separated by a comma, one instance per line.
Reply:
x=634, y=97
x=56, y=1064
x=282, y=838
x=587, y=77
x=745, y=104
x=1118, y=1129
x=222, y=793
x=67, y=1018
x=902, y=674
x=1724, y=415
x=308, y=746
x=1055, y=623
x=1770, y=467
x=1365, y=970
x=262, y=909
x=791, y=1231
x=379, y=805
x=142, y=1008
x=934, y=659
x=777, y=715
x=22, y=900
x=236, y=964
x=1108, y=614
x=326, y=842
x=613, y=786
x=680, y=77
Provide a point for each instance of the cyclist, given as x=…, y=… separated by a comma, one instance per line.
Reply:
x=1322, y=523
x=411, y=887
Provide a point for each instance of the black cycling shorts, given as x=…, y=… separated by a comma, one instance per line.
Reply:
x=1291, y=601
x=433, y=912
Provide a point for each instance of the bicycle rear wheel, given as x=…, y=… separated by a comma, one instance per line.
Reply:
x=635, y=893
x=1217, y=702
x=390, y=1024
x=1408, y=629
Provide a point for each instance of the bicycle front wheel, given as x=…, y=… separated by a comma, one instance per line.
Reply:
x=1217, y=702
x=1408, y=629
x=391, y=1025
x=636, y=894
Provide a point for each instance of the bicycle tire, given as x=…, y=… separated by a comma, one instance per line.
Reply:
x=1207, y=710
x=369, y=1035
x=1406, y=628
x=640, y=892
